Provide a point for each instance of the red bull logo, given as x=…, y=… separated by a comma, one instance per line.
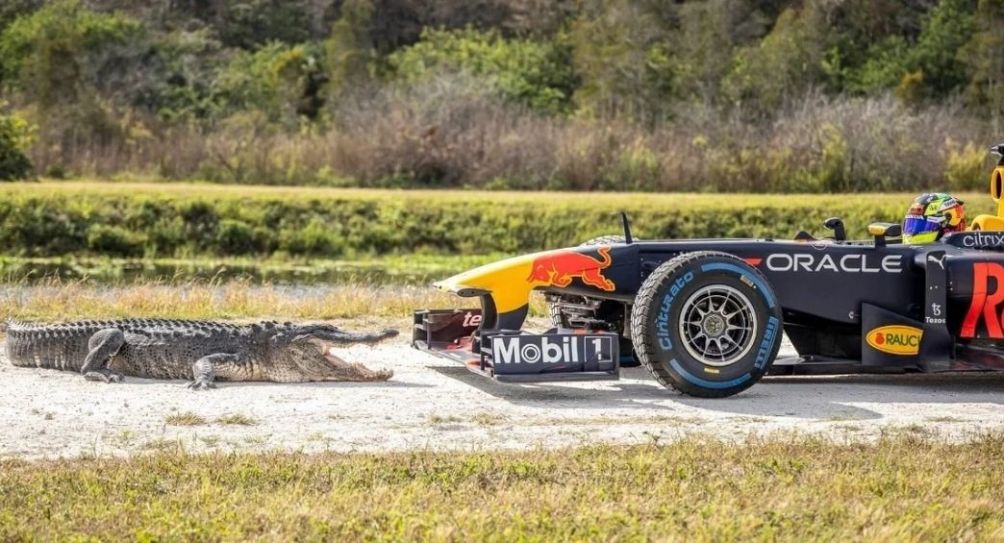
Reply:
x=560, y=267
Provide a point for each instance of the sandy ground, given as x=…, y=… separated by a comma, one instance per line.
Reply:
x=433, y=404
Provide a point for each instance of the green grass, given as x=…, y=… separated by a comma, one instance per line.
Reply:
x=151, y=220
x=903, y=488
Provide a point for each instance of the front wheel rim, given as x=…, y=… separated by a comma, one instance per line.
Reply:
x=718, y=325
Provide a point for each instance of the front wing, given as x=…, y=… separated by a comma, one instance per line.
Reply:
x=516, y=356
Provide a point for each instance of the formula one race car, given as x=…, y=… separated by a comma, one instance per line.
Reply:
x=706, y=316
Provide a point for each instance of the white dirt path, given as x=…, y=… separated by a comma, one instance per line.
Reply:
x=433, y=404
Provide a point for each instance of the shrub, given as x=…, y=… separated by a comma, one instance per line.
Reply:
x=69, y=218
x=315, y=239
x=14, y=139
x=235, y=238
x=450, y=132
x=200, y=220
x=114, y=241
x=966, y=168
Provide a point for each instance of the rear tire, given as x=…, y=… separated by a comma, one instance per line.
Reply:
x=706, y=324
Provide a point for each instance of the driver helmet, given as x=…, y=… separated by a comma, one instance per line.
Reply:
x=931, y=216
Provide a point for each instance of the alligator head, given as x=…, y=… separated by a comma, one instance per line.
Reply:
x=303, y=353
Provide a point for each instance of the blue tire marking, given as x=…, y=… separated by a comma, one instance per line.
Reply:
x=756, y=280
x=705, y=383
x=770, y=334
x=662, y=319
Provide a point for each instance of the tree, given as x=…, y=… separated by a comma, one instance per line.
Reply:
x=927, y=67
x=985, y=57
x=947, y=30
x=349, y=51
x=787, y=62
x=277, y=79
x=177, y=80
x=537, y=74
x=250, y=23
x=10, y=10
x=709, y=37
x=60, y=52
x=625, y=61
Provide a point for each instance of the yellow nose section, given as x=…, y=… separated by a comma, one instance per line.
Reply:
x=508, y=281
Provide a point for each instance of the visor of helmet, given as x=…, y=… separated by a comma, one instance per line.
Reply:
x=915, y=224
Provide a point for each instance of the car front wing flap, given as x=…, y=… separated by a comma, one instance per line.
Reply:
x=514, y=355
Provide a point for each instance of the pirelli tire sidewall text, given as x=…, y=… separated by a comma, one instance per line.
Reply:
x=657, y=312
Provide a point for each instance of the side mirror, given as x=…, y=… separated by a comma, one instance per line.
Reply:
x=837, y=225
x=999, y=151
x=883, y=230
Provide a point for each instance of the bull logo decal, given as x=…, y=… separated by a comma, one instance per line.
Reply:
x=560, y=267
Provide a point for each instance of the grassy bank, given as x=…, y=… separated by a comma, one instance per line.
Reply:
x=901, y=488
x=191, y=220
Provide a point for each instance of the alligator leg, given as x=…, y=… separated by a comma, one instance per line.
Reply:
x=204, y=370
x=102, y=346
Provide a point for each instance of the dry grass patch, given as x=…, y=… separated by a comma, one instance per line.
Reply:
x=489, y=419
x=845, y=418
x=450, y=419
x=185, y=419
x=236, y=420
x=56, y=300
x=164, y=445
x=210, y=441
x=945, y=418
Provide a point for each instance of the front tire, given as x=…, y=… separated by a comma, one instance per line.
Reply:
x=707, y=324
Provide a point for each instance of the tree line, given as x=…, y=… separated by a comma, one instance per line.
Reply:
x=764, y=95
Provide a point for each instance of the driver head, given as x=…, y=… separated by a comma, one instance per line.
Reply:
x=931, y=216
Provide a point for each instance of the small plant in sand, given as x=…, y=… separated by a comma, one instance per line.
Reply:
x=437, y=419
x=185, y=419
x=236, y=419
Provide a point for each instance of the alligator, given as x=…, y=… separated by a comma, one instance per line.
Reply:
x=203, y=351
